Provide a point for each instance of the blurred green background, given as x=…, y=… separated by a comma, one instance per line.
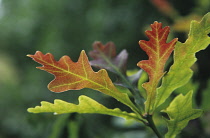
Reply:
x=65, y=27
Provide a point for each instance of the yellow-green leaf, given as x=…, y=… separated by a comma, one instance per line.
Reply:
x=86, y=105
x=180, y=112
x=184, y=57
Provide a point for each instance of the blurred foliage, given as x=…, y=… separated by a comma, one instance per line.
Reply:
x=65, y=28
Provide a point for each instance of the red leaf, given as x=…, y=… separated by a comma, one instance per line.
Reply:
x=71, y=75
x=158, y=51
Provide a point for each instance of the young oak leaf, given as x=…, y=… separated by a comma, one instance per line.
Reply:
x=105, y=57
x=180, y=113
x=184, y=57
x=86, y=105
x=71, y=75
x=100, y=50
x=158, y=51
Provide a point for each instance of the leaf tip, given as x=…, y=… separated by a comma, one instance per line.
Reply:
x=28, y=55
x=30, y=110
x=83, y=52
x=36, y=53
x=156, y=24
x=173, y=42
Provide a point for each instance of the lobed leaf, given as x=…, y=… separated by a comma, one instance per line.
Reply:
x=158, y=51
x=105, y=57
x=184, y=57
x=71, y=75
x=86, y=105
x=100, y=50
x=180, y=113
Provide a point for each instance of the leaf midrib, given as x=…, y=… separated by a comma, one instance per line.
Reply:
x=69, y=72
x=112, y=93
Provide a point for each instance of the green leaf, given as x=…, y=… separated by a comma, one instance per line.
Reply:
x=142, y=79
x=59, y=125
x=189, y=86
x=205, y=98
x=184, y=57
x=86, y=105
x=180, y=113
x=73, y=129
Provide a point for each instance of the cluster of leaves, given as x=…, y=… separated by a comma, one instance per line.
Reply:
x=71, y=75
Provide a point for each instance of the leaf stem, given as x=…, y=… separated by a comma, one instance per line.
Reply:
x=136, y=94
x=151, y=124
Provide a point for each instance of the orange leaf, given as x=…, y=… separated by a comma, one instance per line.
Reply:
x=158, y=51
x=71, y=75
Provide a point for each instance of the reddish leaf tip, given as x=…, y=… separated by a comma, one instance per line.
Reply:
x=156, y=25
x=36, y=53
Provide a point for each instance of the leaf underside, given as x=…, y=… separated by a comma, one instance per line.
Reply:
x=158, y=51
x=184, y=57
x=104, y=56
x=180, y=113
x=86, y=105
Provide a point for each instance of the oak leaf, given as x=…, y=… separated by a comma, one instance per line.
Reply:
x=71, y=75
x=86, y=105
x=104, y=56
x=184, y=57
x=180, y=112
x=158, y=51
